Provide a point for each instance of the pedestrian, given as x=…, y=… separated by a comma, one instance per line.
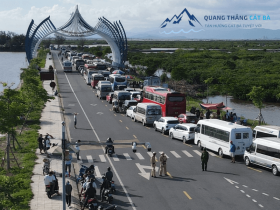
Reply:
x=232, y=151
x=40, y=142
x=208, y=114
x=52, y=85
x=162, y=160
x=78, y=149
x=227, y=116
x=68, y=190
x=68, y=164
x=153, y=163
x=204, y=159
x=75, y=120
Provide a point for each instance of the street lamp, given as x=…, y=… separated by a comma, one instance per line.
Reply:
x=63, y=166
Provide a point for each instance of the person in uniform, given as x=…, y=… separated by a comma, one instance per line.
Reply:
x=162, y=160
x=153, y=164
x=204, y=159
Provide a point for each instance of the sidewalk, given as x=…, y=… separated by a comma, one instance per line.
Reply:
x=51, y=123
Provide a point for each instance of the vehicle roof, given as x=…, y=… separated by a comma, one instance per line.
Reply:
x=224, y=124
x=170, y=118
x=127, y=101
x=160, y=91
x=188, y=124
x=99, y=75
x=268, y=141
x=148, y=104
x=274, y=127
x=189, y=114
x=67, y=61
x=138, y=92
x=121, y=91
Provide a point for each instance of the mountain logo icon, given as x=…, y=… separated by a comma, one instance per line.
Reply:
x=177, y=19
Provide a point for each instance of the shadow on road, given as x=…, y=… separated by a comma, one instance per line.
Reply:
x=218, y=172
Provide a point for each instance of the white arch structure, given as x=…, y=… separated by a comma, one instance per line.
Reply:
x=76, y=26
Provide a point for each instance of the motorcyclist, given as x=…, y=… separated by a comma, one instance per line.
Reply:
x=90, y=193
x=109, y=174
x=115, y=106
x=105, y=185
x=109, y=140
x=49, y=180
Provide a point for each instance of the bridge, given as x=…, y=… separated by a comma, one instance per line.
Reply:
x=76, y=26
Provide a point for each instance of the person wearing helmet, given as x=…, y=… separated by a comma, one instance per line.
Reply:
x=162, y=160
x=110, y=142
x=153, y=164
x=204, y=159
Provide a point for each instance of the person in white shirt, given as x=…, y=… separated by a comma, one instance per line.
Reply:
x=49, y=180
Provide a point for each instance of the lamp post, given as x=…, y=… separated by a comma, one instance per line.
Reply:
x=63, y=166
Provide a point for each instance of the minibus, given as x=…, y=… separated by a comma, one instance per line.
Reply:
x=95, y=78
x=147, y=113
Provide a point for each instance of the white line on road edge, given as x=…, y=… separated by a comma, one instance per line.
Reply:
x=102, y=158
x=113, y=167
x=89, y=158
x=187, y=153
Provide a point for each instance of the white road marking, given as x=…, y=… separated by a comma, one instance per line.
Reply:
x=89, y=158
x=139, y=156
x=98, y=175
x=113, y=167
x=212, y=154
x=150, y=154
x=254, y=200
x=102, y=158
x=244, y=186
x=236, y=186
x=276, y=198
x=265, y=194
x=197, y=152
x=115, y=157
x=164, y=153
x=127, y=156
x=248, y=196
x=231, y=181
x=242, y=191
x=175, y=154
x=255, y=190
x=187, y=153
x=260, y=205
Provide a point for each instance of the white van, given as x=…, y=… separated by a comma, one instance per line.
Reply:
x=103, y=90
x=147, y=113
x=216, y=135
x=264, y=152
x=102, y=83
x=267, y=131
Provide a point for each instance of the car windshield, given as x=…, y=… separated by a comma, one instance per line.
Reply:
x=175, y=98
x=173, y=122
x=67, y=64
x=124, y=97
x=106, y=89
x=98, y=78
x=120, y=79
x=153, y=111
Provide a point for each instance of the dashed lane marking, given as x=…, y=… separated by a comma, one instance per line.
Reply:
x=127, y=128
x=188, y=196
x=197, y=152
x=248, y=196
x=122, y=115
x=120, y=121
x=260, y=205
x=244, y=186
x=169, y=175
x=115, y=115
x=89, y=158
x=265, y=194
x=254, y=169
x=102, y=158
x=105, y=104
x=255, y=190
x=126, y=155
x=134, y=136
x=139, y=156
x=237, y=187
x=254, y=200
x=276, y=198
x=242, y=191
x=175, y=154
x=187, y=153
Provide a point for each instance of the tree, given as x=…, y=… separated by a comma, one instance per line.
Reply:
x=59, y=40
x=47, y=42
x=208, y=82
x=106, y=50
x=257, y=95
x=82, y=42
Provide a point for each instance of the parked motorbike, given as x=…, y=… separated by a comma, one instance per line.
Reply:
x=46, y=166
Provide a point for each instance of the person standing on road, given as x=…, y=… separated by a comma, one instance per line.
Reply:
x=40, y=142
x=162, y=160
x=68, y=164
x=232, y=151
x=75, y=120
x=68, y=190
x=153, y=164
x=204, y=159
x=78, y=149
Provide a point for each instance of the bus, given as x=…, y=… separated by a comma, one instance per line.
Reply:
x=216, y=135
x=172, y=103
x=87, y=74
x=117, y=80
x=95, y=78
x=67, y=66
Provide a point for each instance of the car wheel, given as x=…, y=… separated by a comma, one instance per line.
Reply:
x=143, y=123
x=184, y=140
x=275, y=170
x=247, y=161
x=155, y=127
x=221, y=153
x=199, y=145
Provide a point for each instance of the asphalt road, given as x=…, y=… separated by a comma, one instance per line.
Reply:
x=224, y=186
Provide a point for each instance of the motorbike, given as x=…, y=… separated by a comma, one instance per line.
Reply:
x=91, y=204
x=50, y=191
x=108, y=208
x=107, y=196
x=110, y=151
x=46, y=166
x=112, y=187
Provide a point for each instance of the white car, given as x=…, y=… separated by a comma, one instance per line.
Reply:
x=130, y=112
x=184, y=131
x=164, y=124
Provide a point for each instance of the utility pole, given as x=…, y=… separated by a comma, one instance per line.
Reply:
x=63, y=166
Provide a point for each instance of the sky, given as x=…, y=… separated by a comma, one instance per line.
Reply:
x=135, y=15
